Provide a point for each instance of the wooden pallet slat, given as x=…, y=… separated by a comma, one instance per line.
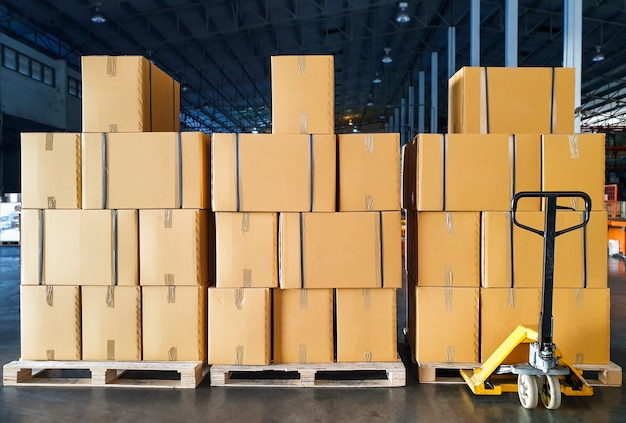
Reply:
x=443, y=373
x=309, y=375
x=105, y=373
x=601, y=374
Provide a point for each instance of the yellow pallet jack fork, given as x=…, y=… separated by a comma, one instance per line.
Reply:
x=546, y=374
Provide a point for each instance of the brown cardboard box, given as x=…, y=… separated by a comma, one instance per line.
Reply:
x=174, y=323
x=240, y=326
x=574, y=162
x=111, y=322
x=461, y=172
x=175, y=247
x=150, y=170
x=51, y=170
x=501, y=311
x=446, y=324
x=570, y=249
x=508, y=100
x=340, y=250
x=582, y=325
x=246, y=250
x=369, y=172
x=50, y=322
x=366, y=325
x=303, y=95
x=448, y=249
x=80, y=247
x=303, y=326
x=270, y=172
x=128, y=94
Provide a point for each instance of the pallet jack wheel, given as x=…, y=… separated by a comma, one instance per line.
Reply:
x=527, y=391
x=550, y=392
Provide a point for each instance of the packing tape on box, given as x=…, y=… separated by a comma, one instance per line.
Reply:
x=247, y=278
x=448, y=299
x=52, y=202
x=304, y=299
x=580, y=297
x=50, y=295
x=574, y=151
x=172, y=354
x=450, y=353
x=369, y=202
x=304, y=123
x=49, y=141
x=302, y=353
x=580, y=358
x=368, y=356
x=239, y=298
x=169, y=279
x=511, y=298
x=448, y=275
x=449, y=223
x=50, y=355
x=368, y=141
x=367, y=298
x=245, y=223
x=239, y=355
x=111, y=66
x=110, y=349
x=171, y=294
x=301, y=65
x=167, y=219
x=110, y=298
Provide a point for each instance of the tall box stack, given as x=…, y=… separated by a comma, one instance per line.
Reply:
x=116, y=225
x=472, y=272
x=307, y=233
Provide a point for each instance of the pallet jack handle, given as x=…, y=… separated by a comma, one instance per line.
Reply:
x=549, y=234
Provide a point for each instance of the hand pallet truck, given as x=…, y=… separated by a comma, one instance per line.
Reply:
x=546, y=368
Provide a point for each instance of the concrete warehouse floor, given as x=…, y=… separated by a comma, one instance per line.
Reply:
x=448, y=403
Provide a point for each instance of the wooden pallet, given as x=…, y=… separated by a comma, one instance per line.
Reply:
x=119, y=374
x=601, y=374
x=336, y=375
x=444, y=373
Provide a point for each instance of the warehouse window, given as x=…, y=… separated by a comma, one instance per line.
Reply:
x=74, y=87
x=24, y=65
x=27, y=66
x=9, y=58
x=36, y=71
x=48, y=75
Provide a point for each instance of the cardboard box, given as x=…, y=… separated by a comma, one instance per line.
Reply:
x=582, y=325
x=303, y=95
x=79, y=247
x=303, y=326
x=366, y=325
x=240, y=328
x=448, y=249
x=164, y=170
x=270, y=172
x=574, y=162
x=174, y=323
x=571, y=268
x=498, y=100
x=445, y=329
x=128, y=94
x=111, y=323
x=340, y=250
x=51, y=170
x=501, y=311
x=461, y=172
x=50, y=322
x=246, y=250
x=176, y=247
x=369, y=172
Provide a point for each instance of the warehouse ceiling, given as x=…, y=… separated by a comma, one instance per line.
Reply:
x=220, y=50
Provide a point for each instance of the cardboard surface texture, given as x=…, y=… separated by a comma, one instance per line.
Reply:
x=80, y=247
x=151, y=98
x=51, y=170
x=111, y=317
x=174, y=323
x=448, y=249
x=50, y=322
x=176, y=247
x=273, y=172
x=164, y=170
x=498, y=100
x=303, y=326
x=240, y=326
x=574, y=162
x=340, y=250
x=366, y=325
x=461, y=172
x=303, y=94
x=369, y=172
x=246, y=250
x=446, y=324
x=582, y=325
x=571, y=268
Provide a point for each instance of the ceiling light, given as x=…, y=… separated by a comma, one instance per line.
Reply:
x=403, y=17
x=599, y=56
x=369, y=103
x=255, y=131
x=355, y=129
x=97, y=16
x=184, y=87
x=377, y=79
x=387, y=57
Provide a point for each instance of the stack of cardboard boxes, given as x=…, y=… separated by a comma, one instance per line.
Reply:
x=307, y=233
x=473, y=277
x=116, y=228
